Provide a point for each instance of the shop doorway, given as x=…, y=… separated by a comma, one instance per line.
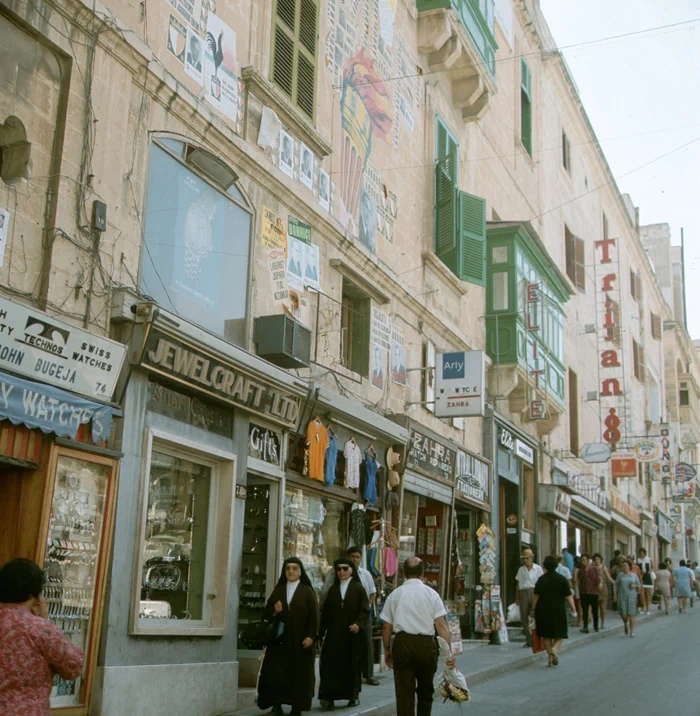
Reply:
x=465, y=579
x=509, y=503
x=259, y=563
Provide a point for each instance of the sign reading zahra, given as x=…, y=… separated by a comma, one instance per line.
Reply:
x=46, y=349
x=459, y=384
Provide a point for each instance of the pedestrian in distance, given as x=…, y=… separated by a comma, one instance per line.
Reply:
x=526, y=578
x=565, y=572
x=664, y=585
x=645, y=567
x=355, y=554
x=552, y=591
x=696, y=573
x=577, y=593
x=32, y=649
x=627, y=589
x=684, y=580
x=412, y=614
x=605, y=580
x=287, y=673
x=615, y=561
x=343, y=617
x=568, y=559
x=589, y=583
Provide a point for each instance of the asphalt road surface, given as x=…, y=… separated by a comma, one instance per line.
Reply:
x=655, y=674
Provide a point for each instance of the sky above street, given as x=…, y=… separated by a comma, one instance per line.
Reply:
x=642, y=94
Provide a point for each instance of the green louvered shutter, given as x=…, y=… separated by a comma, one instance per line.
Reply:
x=472, y=238
x=294, y=52
x=525, y=106
x=445, y=209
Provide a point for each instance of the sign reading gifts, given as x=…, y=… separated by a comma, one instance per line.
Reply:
x=46, y=349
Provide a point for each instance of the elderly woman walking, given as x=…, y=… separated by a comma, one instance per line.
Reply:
x=552, y=590
x=684, y=579
x=345, y=612
x=287, y=673
x=605, y=579
x=627, y=588
x=664, y=585
x=32, y=649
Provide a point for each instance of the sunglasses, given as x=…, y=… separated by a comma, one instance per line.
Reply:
x=342, y=569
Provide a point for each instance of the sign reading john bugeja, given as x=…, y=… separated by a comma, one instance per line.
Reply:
x=168, y=355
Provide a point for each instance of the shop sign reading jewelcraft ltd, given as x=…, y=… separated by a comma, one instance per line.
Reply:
x=171, y=357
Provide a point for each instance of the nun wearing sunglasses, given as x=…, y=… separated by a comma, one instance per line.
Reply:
x=345, y=612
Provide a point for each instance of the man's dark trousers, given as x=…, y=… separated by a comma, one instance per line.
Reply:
x=415, y=663
x=589, y=600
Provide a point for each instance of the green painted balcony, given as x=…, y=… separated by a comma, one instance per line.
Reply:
x=458, y=35
x=525, y=323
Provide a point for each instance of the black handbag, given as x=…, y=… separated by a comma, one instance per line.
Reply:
x=258, y=635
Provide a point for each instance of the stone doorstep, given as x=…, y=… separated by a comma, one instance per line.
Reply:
x=388, y=707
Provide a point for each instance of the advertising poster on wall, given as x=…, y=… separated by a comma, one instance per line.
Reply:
x=287, y=153
x=381, y=329
x=398, y=357
x=274, y=239
x=378, y=366
x=324, y=190
x=303, y=265
x=177, y=38
x=194, y=57
x=220, y=78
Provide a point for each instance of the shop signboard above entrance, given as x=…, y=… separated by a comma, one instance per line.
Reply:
x=625, y=509
x=431, y=457
x=205, y=372
x=472, y=477
x=554, y=501
x=264, y=444
x=46, y=349
x=621, y=467
x=524, y=452
x=459, y=384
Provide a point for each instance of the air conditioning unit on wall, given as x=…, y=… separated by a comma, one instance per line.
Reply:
x=283, y=341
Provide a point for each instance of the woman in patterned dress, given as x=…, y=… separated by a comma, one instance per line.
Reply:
x=605, y=579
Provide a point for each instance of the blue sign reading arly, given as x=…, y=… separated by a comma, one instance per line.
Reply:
x=453, y=366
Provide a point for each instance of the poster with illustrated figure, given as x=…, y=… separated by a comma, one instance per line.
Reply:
x=378, y=367
x=324, y=190
x=286, y=153
x=306, y=168
x=398, y=357
x=303, y=265
x=220, y=71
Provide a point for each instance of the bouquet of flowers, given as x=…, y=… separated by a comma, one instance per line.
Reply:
x=452, y=685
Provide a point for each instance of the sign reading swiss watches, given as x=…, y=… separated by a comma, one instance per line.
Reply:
x=46, y=349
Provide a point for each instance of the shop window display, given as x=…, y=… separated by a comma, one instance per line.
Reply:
x=72, y=552
x=422, y=534
x=315, y=531
x=175, y=549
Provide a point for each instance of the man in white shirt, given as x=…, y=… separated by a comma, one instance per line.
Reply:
x=526, y=578
x=413, y=613
x=355, y=554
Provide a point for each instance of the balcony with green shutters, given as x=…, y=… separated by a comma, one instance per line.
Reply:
x=458, y=35
x=525, y=297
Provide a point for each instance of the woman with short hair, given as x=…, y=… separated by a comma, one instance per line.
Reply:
x=32, y=649
x=552, y=590
x=627, y=589
x=344, y=613
x=605, y=579
x=287, y=673
x=684, y=579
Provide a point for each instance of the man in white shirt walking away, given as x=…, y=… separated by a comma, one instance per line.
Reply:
x=355, y=554
x=526, y=578
x=413, y=613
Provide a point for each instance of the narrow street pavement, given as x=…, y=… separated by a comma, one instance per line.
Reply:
x=655, y=673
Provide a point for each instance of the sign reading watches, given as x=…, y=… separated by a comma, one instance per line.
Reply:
x=169, y=356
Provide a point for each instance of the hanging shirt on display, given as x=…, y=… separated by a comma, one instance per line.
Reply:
x=317, y=439
x=371, y=467
x=358, y=526
x=353, y=458
x=331, y=458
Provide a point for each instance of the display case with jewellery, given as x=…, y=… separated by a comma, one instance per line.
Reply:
x=75, y=556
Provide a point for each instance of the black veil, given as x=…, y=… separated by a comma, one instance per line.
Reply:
x=303, y=578
x=346, y=560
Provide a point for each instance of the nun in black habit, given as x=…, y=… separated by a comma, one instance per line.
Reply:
x=287, y=673
x=345, y=613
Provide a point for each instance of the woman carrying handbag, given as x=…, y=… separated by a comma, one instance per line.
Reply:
x=287, y=673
